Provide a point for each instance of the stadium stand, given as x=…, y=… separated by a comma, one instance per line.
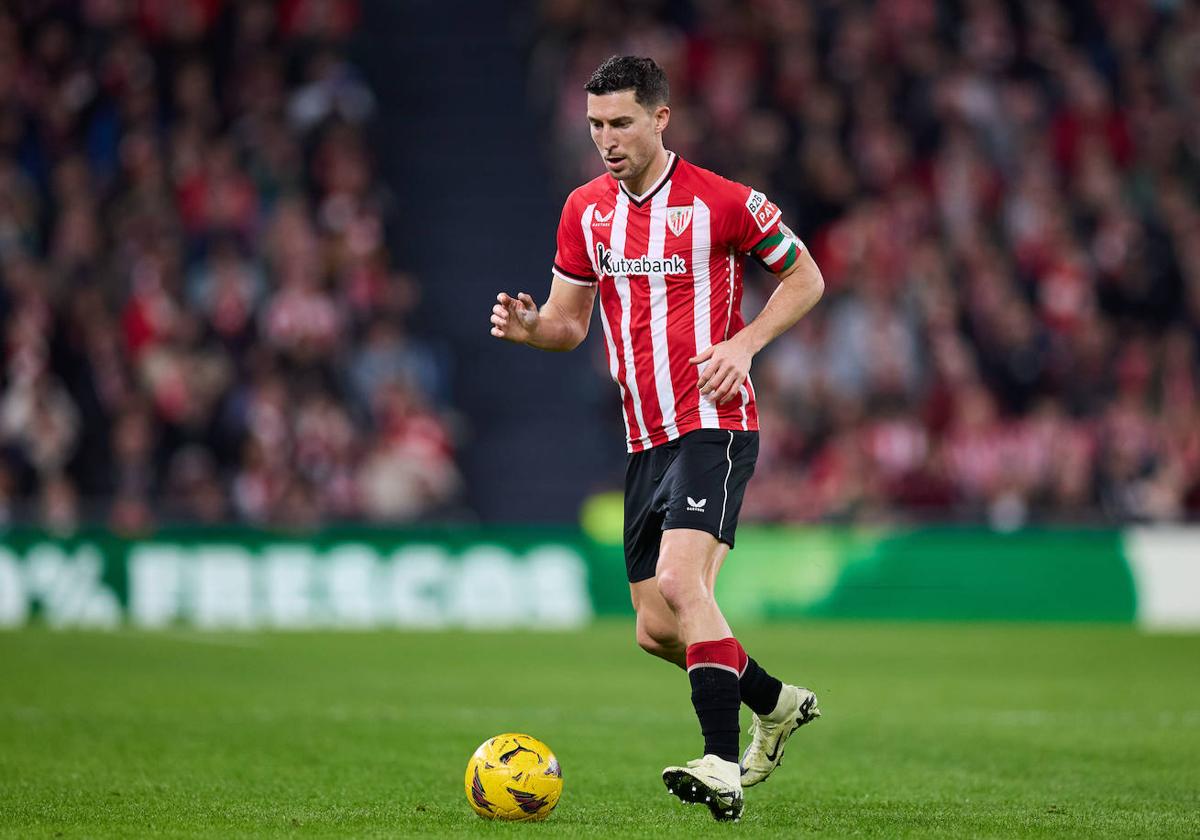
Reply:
x=202, y=319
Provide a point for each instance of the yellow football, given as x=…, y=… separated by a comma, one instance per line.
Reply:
x=513, y=777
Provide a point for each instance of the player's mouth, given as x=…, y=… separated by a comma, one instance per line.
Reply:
x=614, y=161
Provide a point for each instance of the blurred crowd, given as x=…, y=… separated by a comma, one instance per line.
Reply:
x=1004, y=198
x=199, y=314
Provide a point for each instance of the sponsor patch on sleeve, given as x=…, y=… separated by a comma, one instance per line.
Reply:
x=763, y=210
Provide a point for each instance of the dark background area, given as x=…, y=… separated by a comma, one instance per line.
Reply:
x=462, y=141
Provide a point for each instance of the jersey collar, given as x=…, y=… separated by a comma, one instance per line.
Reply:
x=668, y=171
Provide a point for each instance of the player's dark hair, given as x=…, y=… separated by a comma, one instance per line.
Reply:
x=626, y=72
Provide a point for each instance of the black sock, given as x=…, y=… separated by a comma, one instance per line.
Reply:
x=759, y=690
x=716, y=699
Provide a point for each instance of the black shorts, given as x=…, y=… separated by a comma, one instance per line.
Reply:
x=696, y=481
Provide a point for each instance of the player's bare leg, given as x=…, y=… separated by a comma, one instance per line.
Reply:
x=657, y=627
x=658, y=631
x=687, y=567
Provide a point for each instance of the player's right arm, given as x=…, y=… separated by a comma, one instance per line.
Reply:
x=560, y=324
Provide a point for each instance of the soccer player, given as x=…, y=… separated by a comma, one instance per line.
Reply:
x=664, y=242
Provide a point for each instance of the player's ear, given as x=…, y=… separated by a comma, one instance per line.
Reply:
x=662, y=116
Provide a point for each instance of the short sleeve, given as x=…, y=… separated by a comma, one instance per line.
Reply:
x=572, y=262
x=759, y=231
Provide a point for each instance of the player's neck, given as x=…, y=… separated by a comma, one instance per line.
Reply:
x=638, y=186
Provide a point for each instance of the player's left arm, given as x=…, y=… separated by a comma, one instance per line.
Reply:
x=800, y=287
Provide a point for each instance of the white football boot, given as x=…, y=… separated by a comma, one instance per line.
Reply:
x=710, y=781
x=796, y=707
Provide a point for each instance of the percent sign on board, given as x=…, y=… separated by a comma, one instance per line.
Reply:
x=69, y=587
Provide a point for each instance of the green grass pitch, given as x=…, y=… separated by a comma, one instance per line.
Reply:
x=930, y=730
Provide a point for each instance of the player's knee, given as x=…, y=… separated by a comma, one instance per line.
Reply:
x=680, y=587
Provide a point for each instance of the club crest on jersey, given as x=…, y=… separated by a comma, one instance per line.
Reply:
x=603, y=218
x=614, y=266
x=678, y=218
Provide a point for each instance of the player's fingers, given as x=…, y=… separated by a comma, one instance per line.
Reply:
x=721, y=387
x=499, y=310
x=499, y=333
x=731, y=389
x=500, y=320
x=711, y=376
x=503, y=298
x=703, y=356
x=714, y=386
x=527, y=300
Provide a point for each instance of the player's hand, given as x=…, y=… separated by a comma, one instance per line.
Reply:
x=727, y=369
x=514, y=319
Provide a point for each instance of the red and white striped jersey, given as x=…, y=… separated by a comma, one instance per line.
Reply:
x=669, y=264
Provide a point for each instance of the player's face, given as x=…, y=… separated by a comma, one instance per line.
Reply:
x=628, y=135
